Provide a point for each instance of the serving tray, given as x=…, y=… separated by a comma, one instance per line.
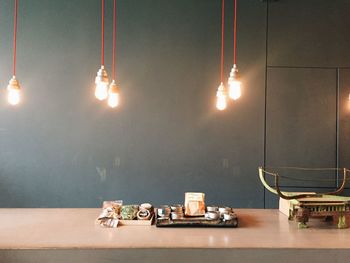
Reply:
x=197, y=222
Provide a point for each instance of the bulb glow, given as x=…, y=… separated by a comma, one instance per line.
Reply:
x=101, y=90
x=113, y=95
x=101, y=81
x=234, y=84
x=13, y=96
x=235, y=89
x=113, y=100
x=221, y=102
x=13, y=91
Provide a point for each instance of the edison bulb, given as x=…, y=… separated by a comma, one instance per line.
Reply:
x=113, y=95
x=101, y=81
x=221, y=102
x=13, y=91
x=234, y=89
x=234, y=84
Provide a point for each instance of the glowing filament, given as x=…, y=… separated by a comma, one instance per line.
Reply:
x=113, y=100
x=13, y=91
x=13, y=96
x=234, y=89
x=221, y=101
x=101, y=90
x=101, y=81
x=234, y=84
x=113, y=95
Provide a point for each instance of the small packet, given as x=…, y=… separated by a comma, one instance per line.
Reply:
x=115, y=205
x=194, y=204
x=110, y=214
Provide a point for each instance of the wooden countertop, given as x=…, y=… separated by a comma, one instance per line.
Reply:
x=74, y=228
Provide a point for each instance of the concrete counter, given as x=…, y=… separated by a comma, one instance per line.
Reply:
x=55, y=235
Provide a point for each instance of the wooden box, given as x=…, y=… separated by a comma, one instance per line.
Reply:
x=136, y=222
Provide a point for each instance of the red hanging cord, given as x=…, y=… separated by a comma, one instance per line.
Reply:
x=235, y=34
x=15, y=37
x=103, y=34
x=222, y=38
x=114, y=38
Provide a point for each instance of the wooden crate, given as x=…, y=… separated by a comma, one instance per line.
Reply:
x=136, y=222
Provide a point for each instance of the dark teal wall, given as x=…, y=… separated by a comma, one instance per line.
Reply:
x=62, y=148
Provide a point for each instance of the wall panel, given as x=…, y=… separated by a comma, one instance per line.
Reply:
x=301, y=121
x=344, y=117
x=309, y=33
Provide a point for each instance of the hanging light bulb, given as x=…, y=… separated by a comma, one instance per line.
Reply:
x=13, y=91
x=101, y=82
x=113, y=95
x=113, y=92
x=13, y=88
x=221, y=101
x=234, y=84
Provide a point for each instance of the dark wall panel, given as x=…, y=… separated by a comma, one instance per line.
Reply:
x=309, y=33
x=62, y=148
x=344, y=122
x=301, y=122
x=344, y=118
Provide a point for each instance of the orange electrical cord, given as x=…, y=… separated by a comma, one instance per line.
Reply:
x=235, y=34
x=222, y=39
x=114, y=39
x=15, y=37
x=103, y=34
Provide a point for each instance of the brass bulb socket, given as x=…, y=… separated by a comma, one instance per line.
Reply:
x=102, y=76
x=221, y=91
x=234, y=73
x=113, y=88
x=13, y=84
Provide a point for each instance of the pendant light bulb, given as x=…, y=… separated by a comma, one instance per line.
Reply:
x=234, y=84
x=13, y=88
x=113, y=95
x=101, y=81
x=13, y=91
x=221, y=101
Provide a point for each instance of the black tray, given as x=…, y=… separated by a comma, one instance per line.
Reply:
x=196, y=222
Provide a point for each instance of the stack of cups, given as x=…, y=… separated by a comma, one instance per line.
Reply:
x=163, y=212
x=226, y=213
x=177, y=212
x=212, y=212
